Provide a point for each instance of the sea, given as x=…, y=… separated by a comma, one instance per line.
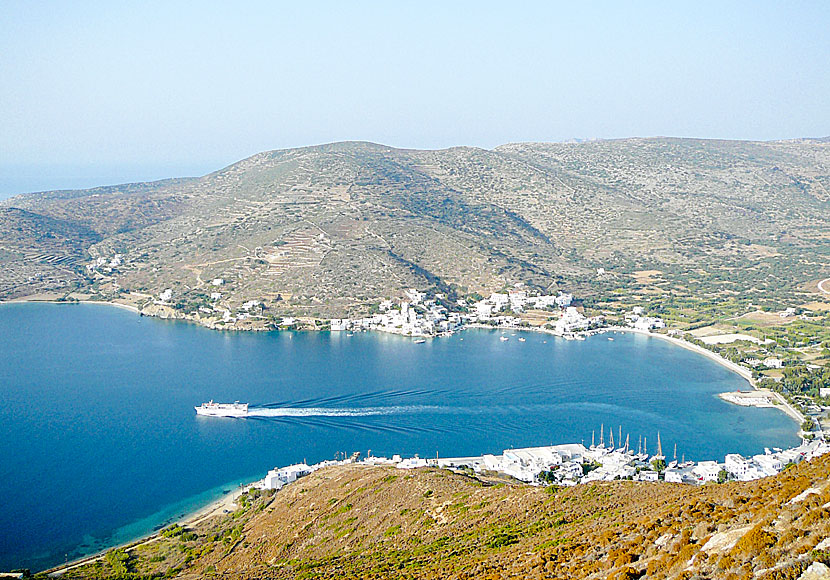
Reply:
x=100, y=443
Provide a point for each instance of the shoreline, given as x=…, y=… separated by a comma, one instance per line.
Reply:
x=227, y=502
x=31, y=300
x=222, y=506
x=744, y=373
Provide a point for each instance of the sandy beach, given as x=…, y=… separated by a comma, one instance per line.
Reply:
x=745, y=373
x=224, y=505
x=44, y=299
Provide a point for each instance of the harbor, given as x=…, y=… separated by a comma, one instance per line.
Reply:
x=314, y=394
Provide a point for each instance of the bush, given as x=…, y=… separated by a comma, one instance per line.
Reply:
x=754, y=542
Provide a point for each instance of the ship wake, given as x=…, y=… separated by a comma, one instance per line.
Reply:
x=339, y=412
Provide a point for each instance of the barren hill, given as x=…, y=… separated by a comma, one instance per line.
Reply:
x=332, y=229
x=360, y=522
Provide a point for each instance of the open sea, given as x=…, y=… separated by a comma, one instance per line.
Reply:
x=100, y=444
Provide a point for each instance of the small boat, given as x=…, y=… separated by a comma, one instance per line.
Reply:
x=522, y=339
x=504, y=338
x=609, y=338
x=419, y=341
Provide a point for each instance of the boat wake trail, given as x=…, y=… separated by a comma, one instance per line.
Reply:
x=339, y=412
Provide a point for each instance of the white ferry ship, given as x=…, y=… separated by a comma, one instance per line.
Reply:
x=211, y=409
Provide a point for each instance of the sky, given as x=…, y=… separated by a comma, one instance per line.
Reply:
x=95, y=93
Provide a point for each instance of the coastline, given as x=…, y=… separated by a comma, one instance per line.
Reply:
x=35, y=300
x=224, y=505
x=218, y=507
x=743, y=372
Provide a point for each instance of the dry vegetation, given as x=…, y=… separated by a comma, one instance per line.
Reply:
x=330, y=230
x=384, y=523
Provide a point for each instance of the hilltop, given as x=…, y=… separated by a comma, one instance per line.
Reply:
x=350, y=521
x=331, y=230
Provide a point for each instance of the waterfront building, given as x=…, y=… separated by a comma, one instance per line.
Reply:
x=278, y=477
x=707, y=471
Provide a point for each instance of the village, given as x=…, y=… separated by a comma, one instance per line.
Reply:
x=421, y=317
x=574, y=463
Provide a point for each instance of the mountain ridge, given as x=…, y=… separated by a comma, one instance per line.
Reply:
x=330, y=230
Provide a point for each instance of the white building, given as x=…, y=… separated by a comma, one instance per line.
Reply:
x=412, y=463
x=564, y=300
x=768, y=464
x=736, y=465
x=414, y=296
x=280, y=476
x=571, y=321
x=648, y=475
x=707, y=471
x=647, y=323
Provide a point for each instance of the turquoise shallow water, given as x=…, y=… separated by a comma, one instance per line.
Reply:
x=99, y=442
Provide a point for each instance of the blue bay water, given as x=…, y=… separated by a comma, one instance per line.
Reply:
x=99, y=442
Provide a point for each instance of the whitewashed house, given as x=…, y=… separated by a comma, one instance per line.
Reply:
x=707, y=471
x=279, y=477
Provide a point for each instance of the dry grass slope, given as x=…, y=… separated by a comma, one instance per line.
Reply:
x=355, y=522
x=330, y=230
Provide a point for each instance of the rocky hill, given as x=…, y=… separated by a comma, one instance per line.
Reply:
x=361, y=522
x=330, y=230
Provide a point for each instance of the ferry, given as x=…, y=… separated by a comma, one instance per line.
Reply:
x=211, y=409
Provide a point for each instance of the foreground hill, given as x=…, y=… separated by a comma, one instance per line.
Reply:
x=359, y=522
x=330, y=230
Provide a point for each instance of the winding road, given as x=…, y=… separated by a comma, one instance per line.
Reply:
x=824, y=286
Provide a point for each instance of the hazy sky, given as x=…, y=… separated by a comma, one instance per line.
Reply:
x=104, y=92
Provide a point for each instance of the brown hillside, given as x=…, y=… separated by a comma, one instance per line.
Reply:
x=359, y=522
